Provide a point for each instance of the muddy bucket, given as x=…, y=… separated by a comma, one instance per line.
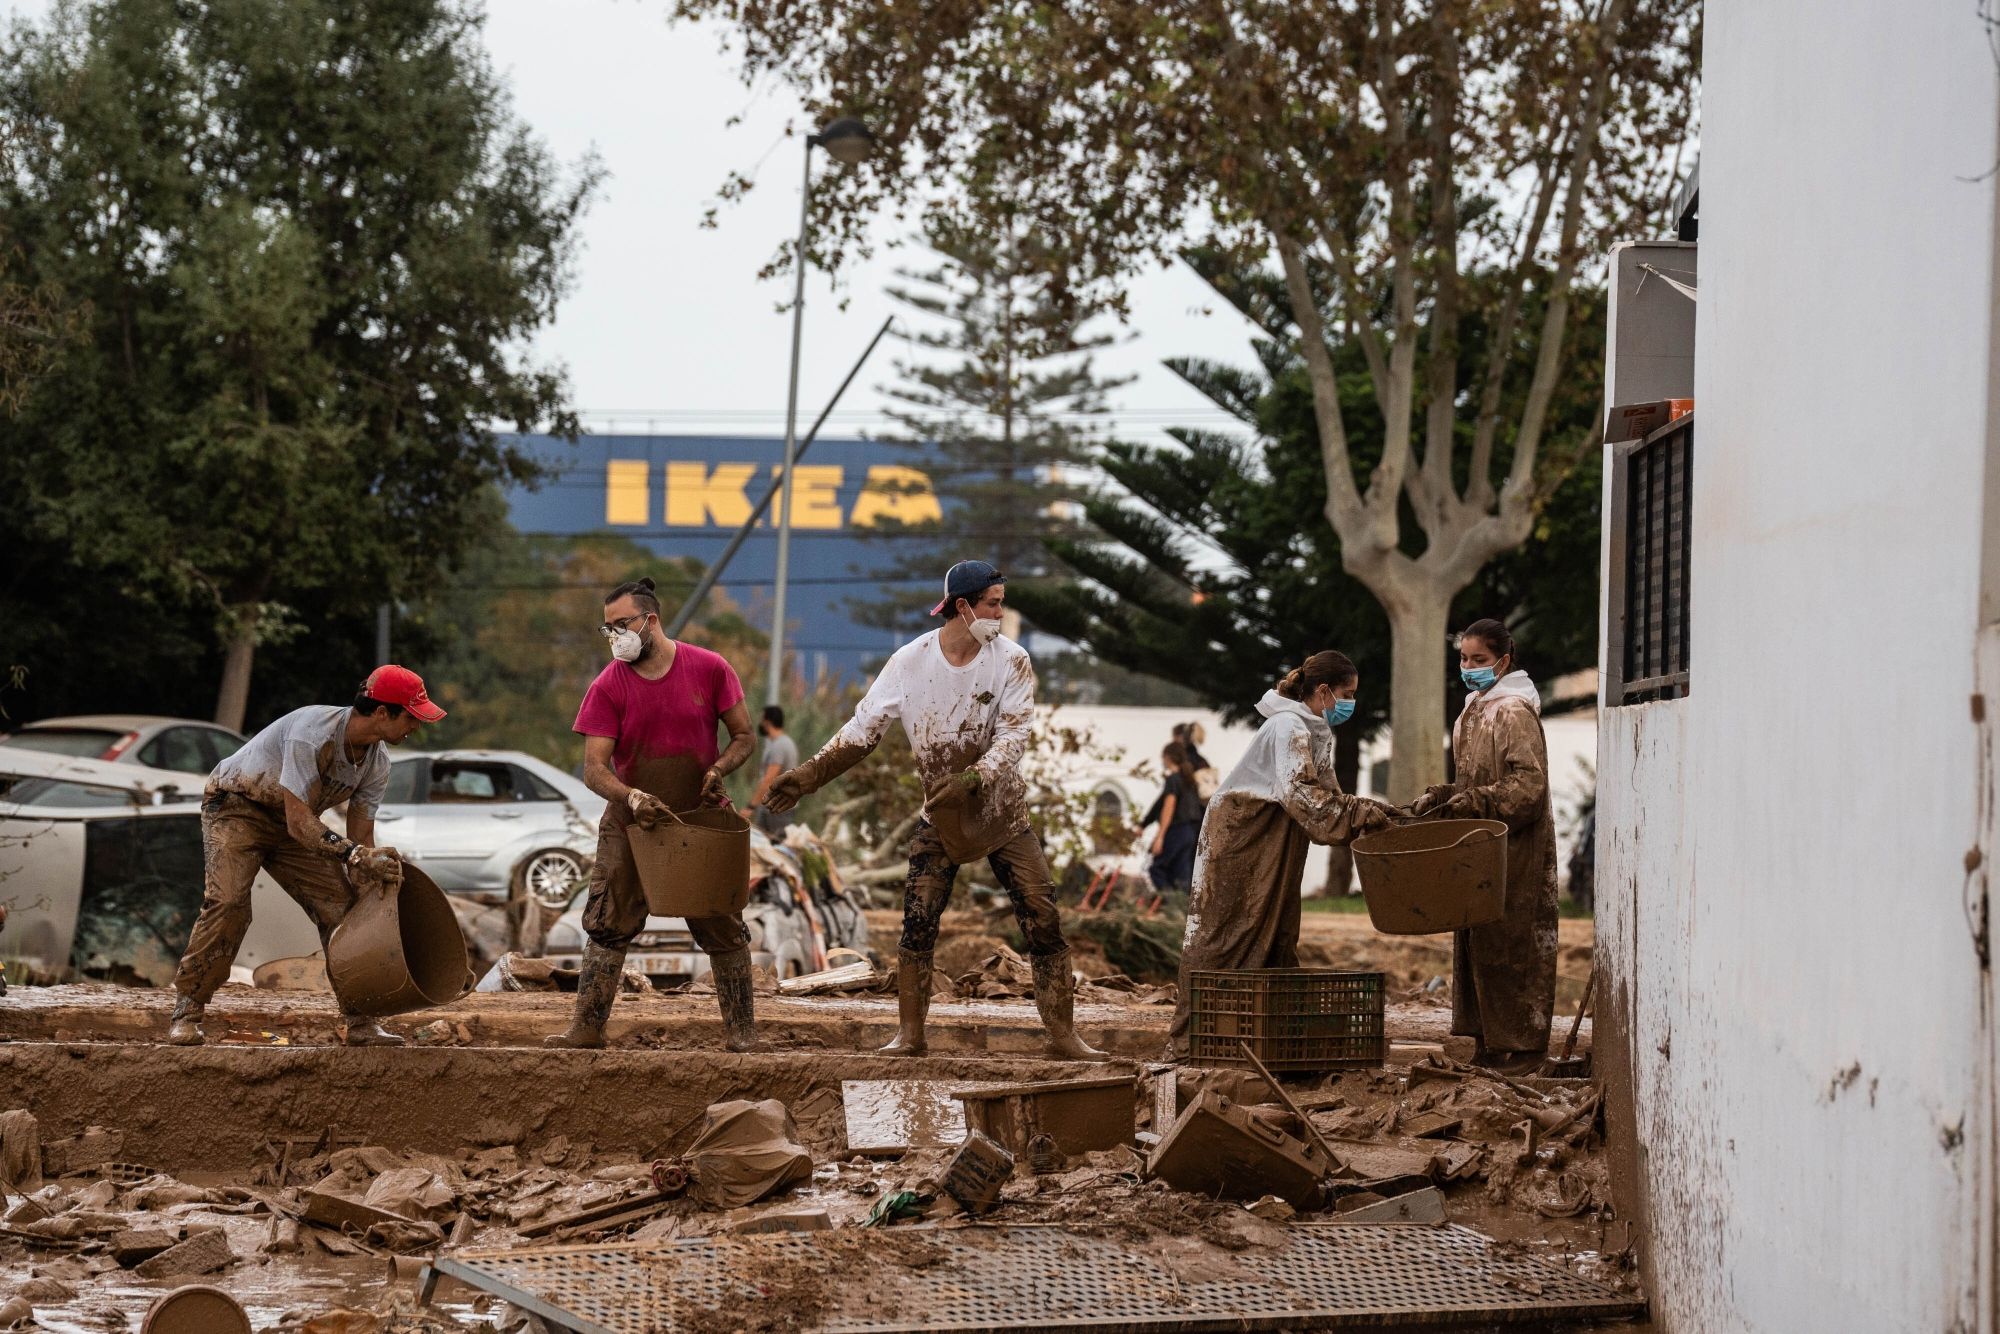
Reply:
x=196, y=1309
x=398, y=952
x=1437, y=876
x=695, y=865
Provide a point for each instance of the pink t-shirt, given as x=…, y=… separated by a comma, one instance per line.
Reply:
x=675, y=715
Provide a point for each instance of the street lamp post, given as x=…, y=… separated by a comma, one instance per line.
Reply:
x=847, y=141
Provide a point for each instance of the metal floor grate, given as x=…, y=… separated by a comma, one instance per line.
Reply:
x=1034, y=1277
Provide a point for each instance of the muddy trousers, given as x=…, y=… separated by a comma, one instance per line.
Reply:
x=616, y=909
x=239, y=838
x=1018, y=864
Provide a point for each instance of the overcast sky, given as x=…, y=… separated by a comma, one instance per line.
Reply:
x=668, y=321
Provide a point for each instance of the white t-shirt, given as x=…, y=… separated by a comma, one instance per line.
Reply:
x=976, y=716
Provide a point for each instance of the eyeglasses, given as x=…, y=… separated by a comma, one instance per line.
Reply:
x=611, y=629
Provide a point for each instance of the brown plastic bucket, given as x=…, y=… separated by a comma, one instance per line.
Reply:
x=1441, y=875
x=695, y=865
x=196, y=1309
x=394, y=953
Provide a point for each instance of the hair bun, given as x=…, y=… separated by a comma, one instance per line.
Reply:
x=648, y=584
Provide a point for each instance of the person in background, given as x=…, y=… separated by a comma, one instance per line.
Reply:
x=780, y=753
x=1504, y=973
x=261, y=812
x=1181, y=808
x=648, y=724
x=1191, y=735
x=1243, y=907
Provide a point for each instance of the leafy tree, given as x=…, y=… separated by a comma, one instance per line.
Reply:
x=1418, y=167
x=310, y=239
x=519, y=629
x=1000, y=408
x=1213, y=565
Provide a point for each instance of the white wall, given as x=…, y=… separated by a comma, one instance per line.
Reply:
x=1781, y=855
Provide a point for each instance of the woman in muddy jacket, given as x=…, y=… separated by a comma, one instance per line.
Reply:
x=1243, y=908
x=1503, y=973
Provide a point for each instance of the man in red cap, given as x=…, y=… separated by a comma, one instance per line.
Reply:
x=261, y=812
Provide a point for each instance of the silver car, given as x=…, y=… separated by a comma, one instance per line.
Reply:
x=102, y=866
x=180, y=744
x=491, y=824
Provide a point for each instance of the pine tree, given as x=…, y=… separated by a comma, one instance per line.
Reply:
x=1002, y=401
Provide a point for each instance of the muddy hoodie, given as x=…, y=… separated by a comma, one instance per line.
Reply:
x=1514, y=685
x=1239, y=861
x=1294, y=745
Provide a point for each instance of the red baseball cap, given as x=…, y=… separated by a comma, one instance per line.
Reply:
x=399, y=685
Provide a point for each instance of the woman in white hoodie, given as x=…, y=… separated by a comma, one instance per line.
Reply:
x=1504, y=973
x=1243, y=907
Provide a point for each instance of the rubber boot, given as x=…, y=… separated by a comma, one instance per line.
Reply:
x=736, y=998
x=185, y=1030
x=1509, y=1062
x=596, y=987
x=1055, y=997
x=913, y=1003
x=367, y=1033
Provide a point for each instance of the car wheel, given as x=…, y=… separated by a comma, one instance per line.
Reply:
x=551, y=877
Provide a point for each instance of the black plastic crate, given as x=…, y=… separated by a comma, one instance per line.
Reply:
x=1295, y=1019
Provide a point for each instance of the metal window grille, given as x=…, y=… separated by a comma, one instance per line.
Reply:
x=1649, y=575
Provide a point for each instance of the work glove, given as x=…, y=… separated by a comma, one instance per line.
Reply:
x=1459, y=806
x=712, y=791
x=377, y=869
x=785, y=792
x=953, y=788
x=647, y=810
x=1373, y=815
x=834, y=759
x=1432, y=797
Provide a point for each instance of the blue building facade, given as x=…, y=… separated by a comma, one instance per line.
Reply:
x=687, y=495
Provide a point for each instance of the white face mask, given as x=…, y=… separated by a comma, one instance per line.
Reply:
x=984, y=631
x=626, y=646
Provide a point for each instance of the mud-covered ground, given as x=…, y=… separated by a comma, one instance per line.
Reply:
x=472, y=1139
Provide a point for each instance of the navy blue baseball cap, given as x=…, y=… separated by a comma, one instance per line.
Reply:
x=967, y=579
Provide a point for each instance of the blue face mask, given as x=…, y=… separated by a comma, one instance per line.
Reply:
x=1478, y=678
x=1342, y=710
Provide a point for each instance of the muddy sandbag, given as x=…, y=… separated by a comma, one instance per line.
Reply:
x=519, y=972
x=21, y=1150
x=747, y=1151
x=1002, y=975
x=162, y=1192
x=412, y=1192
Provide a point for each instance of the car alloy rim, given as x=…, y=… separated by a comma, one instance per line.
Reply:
x=553, y=878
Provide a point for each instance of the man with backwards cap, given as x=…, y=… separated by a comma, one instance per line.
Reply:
x=966, y=697
x=261, y=811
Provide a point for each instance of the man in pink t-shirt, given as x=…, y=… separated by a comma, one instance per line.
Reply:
x=648, y=723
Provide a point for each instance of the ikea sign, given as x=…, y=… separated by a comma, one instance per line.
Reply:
x=694, y=494
x=684, y=495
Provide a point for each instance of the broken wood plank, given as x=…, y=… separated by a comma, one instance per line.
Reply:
x=341, y=1212
x=653, y=1202
x=845, y=978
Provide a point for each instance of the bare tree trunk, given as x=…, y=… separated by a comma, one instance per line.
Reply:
x=1417, y=633
x=232, y=701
